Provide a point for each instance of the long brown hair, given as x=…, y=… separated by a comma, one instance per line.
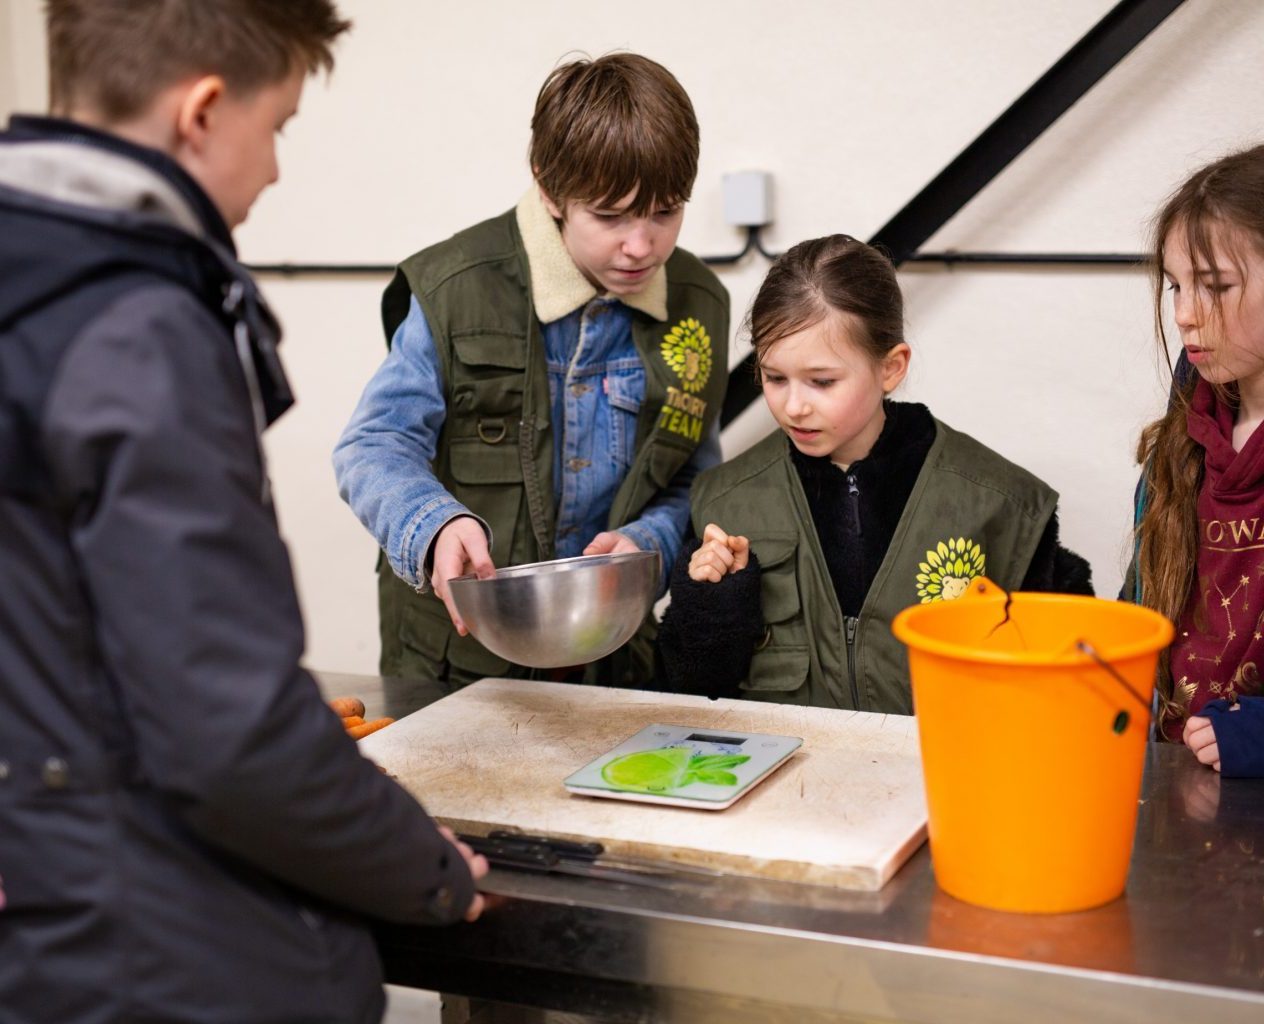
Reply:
x=1218, y=205
x=823, y=275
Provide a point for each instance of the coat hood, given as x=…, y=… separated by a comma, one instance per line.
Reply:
x=77, y=205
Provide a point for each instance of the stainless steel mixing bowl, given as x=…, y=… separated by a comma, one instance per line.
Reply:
x=566, y=612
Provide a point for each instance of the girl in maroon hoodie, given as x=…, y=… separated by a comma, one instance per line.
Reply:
x=1200, y=521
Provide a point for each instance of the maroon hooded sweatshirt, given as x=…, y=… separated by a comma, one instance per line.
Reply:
x=1219, y=647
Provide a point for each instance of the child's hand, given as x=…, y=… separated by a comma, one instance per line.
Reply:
x=611, y=542
x=478, y=866
x=1200, y=737
x=460, y=548
x=719, y=555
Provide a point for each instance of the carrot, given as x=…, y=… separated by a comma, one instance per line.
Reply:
x=357, y=732
x=347, y=706
x=352, y=720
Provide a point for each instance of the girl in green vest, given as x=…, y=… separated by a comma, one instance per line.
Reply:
x=858, y=506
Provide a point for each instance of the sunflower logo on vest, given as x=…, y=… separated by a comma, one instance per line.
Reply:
x=948, y=569
x=686, y=350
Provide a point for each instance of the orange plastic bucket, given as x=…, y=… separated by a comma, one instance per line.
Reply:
x=1033, y=713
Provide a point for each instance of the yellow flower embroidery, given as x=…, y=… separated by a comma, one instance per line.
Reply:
x=687, y=350
x=949, y=569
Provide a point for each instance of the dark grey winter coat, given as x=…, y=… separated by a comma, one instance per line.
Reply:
x=186, y=832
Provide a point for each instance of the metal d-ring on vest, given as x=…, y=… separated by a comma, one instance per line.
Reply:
x=491, y=431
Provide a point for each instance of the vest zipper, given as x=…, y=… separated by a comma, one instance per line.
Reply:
x=850, y=623
x=853, y=500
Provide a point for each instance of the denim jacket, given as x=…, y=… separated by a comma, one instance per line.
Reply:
x=383, y=461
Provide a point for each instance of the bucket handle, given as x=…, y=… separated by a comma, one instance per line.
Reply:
x=1121, y=719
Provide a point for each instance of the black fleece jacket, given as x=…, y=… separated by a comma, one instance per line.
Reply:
x=709, y=631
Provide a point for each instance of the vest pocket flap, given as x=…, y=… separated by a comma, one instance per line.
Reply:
x=779, y=582
x=486, y=349
x=773, y=551
x=780, y=669
x=476, y=462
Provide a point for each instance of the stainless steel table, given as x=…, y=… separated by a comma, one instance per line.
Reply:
x=1185, y=944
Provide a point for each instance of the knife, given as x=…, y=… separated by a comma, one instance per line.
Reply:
x=595, y=853
x=536, y=857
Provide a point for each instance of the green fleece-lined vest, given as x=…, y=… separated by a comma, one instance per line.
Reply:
x=495, y=452
x=971, y=512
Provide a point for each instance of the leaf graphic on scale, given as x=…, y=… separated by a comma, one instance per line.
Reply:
x=716, y=778
x=719, y=761
x=656, y=771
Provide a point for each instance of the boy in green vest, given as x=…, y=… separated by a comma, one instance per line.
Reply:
x=554, y=375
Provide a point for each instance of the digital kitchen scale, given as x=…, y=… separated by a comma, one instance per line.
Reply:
x=684, y=766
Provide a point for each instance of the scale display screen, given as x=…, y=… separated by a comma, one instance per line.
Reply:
x=675, y=764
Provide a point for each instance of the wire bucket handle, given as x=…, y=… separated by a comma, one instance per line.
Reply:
x=1122, y=718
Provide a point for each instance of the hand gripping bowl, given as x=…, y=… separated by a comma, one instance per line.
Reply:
x=566, y=612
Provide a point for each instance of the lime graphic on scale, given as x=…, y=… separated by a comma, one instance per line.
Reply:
x=656, y=771
x=683, y=766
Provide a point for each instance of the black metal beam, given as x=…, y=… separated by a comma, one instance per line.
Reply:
x=1074, y=74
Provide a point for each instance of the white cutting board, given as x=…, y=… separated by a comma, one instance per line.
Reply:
x=846, y=810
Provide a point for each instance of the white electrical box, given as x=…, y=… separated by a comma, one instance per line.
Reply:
x=748, y=199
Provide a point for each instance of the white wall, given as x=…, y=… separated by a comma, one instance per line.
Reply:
x=853, y=105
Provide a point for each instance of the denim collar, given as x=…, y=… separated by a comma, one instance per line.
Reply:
x=557, y=286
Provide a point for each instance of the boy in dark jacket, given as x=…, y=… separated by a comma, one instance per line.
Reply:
x=186, y=831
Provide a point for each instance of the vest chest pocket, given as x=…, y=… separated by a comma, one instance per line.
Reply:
x=779, y=667
x=487, y=479
x=488, y=373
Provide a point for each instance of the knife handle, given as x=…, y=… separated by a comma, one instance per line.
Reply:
x=525, y=856
x=561, y=847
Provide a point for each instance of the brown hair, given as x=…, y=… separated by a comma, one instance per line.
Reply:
x=114, y=56
x=603, y=128
x=1218, y=204
x=832, y=274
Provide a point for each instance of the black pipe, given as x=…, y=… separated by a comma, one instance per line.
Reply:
x=314, y=269
x=753, y=242
x=1052, y=259
x=350, y=269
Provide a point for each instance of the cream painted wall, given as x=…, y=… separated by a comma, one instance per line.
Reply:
x=23, y=75
x=852, y=105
